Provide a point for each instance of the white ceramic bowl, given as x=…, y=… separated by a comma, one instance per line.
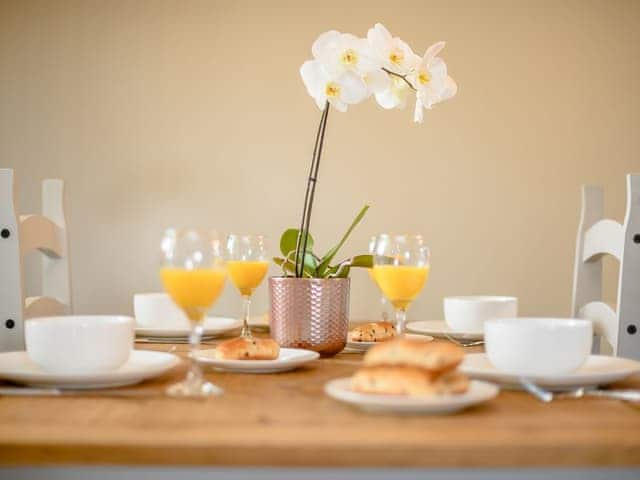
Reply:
x=79, y=344
x=538, y=346
x=157, y=310
x=468, y=314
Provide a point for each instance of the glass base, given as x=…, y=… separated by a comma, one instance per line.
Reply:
x=193, y=387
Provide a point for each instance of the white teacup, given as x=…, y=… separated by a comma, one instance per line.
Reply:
x=157, y=310
x=79, y=344
x=468, y=314
x=538, y=346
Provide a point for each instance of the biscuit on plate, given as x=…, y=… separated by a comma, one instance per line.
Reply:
x=372, y=332
x=248, y=349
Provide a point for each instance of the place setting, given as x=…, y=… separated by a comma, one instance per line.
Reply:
x=546, y=354
x=85, y=352
x=464, y=318
x=160, y=320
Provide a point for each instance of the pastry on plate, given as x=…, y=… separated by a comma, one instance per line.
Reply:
x=411, y=367
x=410, y=381
x=372, y=332
x=248, y=349
x=432, y=356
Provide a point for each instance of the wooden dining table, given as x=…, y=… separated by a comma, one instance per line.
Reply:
x=286, y=420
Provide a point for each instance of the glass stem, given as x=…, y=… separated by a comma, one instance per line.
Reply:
x=246, y=331
x=383, y=305
x=401, y=317
x=195, y=372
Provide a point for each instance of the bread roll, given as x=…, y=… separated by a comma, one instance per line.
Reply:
x=248, y=349
x=408, y=381
x=434, y=357
x=372, y=332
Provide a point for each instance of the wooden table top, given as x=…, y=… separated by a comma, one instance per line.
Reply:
x=285, y=419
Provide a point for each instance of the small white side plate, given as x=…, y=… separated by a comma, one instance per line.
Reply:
x=439, y=328
x=289, y=359
x=359, y=347
x=213, y=327
x=142, y=365
x=340, y=389
x=597, y=370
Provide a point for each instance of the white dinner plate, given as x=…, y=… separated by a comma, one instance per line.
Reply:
x=597, y=370
x=359, y=347
x=213, y=327
x=289, y=359
x=17, y=367
x=340, y=389
x=439, y=328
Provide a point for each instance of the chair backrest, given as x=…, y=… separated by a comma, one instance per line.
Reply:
x=20, y=234
x=597, y=237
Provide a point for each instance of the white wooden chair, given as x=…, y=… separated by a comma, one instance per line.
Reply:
x=20, y=234
x=597, y=237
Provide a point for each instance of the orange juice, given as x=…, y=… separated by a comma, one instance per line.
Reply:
x=400, y=283
x=194, y=291
x=246, y=275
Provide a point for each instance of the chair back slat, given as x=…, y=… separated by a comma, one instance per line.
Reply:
x=43, y=307
x=40, y=233
x=604, y=318
x=603, y=237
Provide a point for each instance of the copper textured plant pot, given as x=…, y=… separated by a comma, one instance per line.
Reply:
x=311, y=313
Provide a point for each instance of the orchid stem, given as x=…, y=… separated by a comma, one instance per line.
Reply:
x=403, y=77
x=303, y=232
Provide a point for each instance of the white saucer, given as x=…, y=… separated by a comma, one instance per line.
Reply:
x=598, y=370
x=340, y=389
x=17, y=367
x=358, y=347
x=213, y=327
x=289, y=359
x=439, y=328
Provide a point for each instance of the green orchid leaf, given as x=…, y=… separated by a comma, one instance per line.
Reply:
x=310, y=264
x=362, y=261
x=339, y=271
x=326, y=260
x=289, y=239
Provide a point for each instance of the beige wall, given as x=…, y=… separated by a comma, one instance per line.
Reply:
x=193, y=113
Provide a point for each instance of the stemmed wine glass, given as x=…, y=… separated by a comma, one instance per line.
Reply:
x=401, y=269
x=247, y=264
x=193, y=274
x=384, y=304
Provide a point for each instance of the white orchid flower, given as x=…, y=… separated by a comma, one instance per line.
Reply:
x=343, y=52
x=339, y=89
x=432, y=82
x=396, y=95
x=392, y=53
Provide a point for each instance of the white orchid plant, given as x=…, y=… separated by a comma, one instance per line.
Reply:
x=347, y=70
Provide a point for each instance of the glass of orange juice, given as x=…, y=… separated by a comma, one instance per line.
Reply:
x=385, y=307
x=401, y=269
x=247, y=264
x=193, y=274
